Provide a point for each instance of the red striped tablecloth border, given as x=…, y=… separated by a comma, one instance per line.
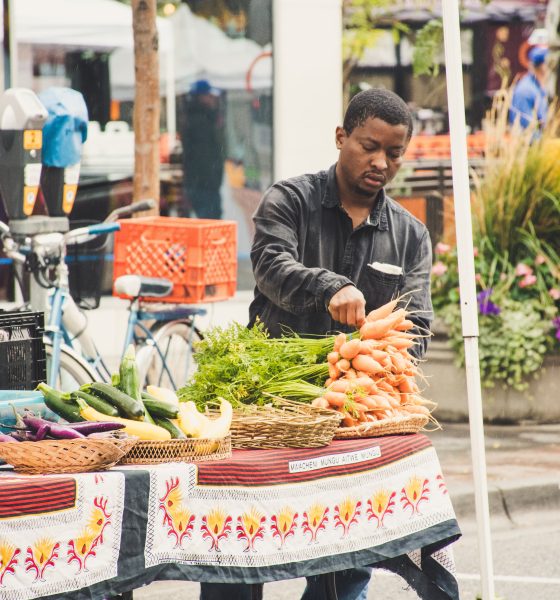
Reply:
x=36, y=496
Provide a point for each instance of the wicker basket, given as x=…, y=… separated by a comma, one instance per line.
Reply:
x=65, y=456
x=188, y=450
x=395, y=425
x=283, y=424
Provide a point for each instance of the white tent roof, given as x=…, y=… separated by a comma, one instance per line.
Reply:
x=96, y=24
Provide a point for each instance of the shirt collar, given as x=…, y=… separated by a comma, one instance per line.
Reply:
x=377, y=217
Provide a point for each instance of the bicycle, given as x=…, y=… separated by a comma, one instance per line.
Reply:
x=164, y=336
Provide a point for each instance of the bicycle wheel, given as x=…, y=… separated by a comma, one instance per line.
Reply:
x=174, y=363
x=74, y=371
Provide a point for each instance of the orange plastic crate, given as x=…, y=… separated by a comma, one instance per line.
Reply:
x=198, y=255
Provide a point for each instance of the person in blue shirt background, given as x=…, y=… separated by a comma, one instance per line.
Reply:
x=529, y=95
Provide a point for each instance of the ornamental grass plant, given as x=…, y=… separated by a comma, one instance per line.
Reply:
x=516, y=221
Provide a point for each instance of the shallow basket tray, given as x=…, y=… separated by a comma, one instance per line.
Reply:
x=392, y=426
x=152, y=452
x=65, y=456
x=283, y=424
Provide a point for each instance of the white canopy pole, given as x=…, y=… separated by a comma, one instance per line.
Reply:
x=467, y=285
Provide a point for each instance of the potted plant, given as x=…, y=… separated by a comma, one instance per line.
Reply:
x=516, y=221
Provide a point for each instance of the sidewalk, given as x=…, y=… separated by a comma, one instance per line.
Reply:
x=523, y=462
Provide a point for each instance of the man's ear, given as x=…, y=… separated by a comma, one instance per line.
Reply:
x=340, y=136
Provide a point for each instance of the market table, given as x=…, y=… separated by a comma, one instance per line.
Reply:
x=261, y=515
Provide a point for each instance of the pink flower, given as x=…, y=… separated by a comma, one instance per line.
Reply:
x=475, y=251
x=442, y=248
x=554, y=293
x=540, y=259
x=522, y=270
x=527, y=281
x=477, y=277
x=439, y=268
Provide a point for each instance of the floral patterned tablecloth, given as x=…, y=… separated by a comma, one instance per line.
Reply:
x=262, y=515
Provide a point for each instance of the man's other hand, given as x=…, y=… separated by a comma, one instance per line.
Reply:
x=348, y=306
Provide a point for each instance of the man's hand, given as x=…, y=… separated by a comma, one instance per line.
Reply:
x=348, y=306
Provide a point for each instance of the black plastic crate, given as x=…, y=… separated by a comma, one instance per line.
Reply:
x=23, y=361
x=86, y=263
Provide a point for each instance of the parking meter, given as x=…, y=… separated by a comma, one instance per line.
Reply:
x=22, y=117
x=64, y=133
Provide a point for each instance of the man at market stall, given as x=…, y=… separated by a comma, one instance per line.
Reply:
x=331, y=246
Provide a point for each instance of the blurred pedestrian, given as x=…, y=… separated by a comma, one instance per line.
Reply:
x=530, y=97
x=202, y=138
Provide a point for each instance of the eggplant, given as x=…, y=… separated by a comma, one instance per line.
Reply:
x=55, y=430
x=89, y=427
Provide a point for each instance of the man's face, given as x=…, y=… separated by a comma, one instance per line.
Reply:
x=370, y=156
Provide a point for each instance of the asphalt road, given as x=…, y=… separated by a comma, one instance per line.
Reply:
x=526, y=548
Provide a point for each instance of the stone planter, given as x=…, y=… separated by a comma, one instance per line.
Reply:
x=447, y=386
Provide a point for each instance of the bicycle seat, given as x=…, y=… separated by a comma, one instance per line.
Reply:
x=140, y=286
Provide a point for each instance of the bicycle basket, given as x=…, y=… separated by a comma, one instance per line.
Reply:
x=23, y=361
x=86, y=265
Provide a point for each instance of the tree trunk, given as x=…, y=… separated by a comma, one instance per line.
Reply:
x=146, y=102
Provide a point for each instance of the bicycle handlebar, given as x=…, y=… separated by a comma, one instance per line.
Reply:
x=131, y=209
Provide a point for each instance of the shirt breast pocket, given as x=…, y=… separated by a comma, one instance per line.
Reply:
x=379, y=286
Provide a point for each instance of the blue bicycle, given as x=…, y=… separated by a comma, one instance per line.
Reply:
x=164, y=335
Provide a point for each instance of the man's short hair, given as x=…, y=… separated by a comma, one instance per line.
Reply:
x=377, y=103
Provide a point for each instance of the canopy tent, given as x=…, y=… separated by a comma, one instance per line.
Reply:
x=202, y=51
x=94, y=25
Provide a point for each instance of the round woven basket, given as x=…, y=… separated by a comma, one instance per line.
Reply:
x=65, y=456
x=395, y=425
x=147, y=452
x=283, y=424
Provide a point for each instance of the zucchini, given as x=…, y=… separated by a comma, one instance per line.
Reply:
x=129, y=380
x=55, y=401
x=160, y=408
x=175, y=432
x=96, y=402
x=128, y=406
x=148, y=417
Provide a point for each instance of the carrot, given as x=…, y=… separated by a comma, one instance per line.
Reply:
x=408, y=386
x=371, y=417
x=333, y=357
x=350, y=374
x=350, y=422
x=320, y=403
x=336, y=399
x=416, y=409
x=365, y=363
x=365, y=382
x=369, y=402
x=382, y=311
x=399, y=363
x=399, y=343
x=384, y=386
x=334, y=372
x=328, y=382
x=379, y=355
x=378, y=329
x=340, y=385
x=349, y=349
x=404, y=325
x=338, y=341
x=381, y=402
x=343, y=365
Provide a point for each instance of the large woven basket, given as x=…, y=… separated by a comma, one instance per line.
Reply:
x=392, y=426
x=188, y=450
x=283, y=424
x=65, y=456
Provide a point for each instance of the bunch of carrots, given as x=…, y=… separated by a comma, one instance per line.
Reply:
x=373, y=377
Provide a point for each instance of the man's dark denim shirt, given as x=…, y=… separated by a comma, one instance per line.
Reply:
x=305, y=250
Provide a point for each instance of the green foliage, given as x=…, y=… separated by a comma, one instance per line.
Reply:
x=244, y=365
x=427, y=49
x=512, y=345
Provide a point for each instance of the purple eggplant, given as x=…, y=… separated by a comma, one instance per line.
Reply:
x=39, y=426
x=89, y=427
x=7, y=438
